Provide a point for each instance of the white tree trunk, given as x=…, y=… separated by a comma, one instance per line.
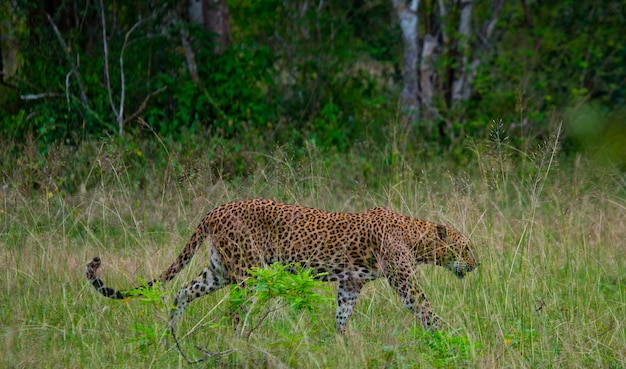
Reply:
x=427, y=79
x=424, y=90
x=460, y=85
x=407, y=14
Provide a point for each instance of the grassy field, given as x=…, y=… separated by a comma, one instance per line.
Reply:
x=550, y=291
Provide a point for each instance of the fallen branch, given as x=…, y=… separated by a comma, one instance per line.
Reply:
x=43, y=95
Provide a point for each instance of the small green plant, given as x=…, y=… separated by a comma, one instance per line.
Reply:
x=448, y=349
x=148, y=334
x=293, y=285
x=149, y=294
x=438, y=349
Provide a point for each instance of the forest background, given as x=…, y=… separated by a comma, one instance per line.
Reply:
x=122, y=122
x=252, y=76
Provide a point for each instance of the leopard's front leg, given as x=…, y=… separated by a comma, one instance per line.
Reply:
x=402, y=275
x=415, y=300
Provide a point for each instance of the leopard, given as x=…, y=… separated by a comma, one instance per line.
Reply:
x=349, y=248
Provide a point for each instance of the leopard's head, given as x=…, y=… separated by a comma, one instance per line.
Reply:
x=457, y=253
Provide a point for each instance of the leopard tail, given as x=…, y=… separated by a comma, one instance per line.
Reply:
x=197, y=238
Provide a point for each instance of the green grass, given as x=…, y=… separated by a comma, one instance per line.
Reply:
x=550, y=291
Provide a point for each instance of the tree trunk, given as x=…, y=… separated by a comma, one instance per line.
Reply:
x=213, y=16
x=190, y=55
x=9, y=33
x=407, y=14
x=460, y=86
x=437, y=94
x=428, y=74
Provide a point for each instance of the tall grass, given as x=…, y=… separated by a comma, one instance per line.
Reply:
x=549, y=231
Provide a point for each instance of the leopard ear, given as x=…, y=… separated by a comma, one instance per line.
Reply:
x=442, y=232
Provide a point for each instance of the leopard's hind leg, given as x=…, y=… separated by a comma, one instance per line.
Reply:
x=212, y=278
x=347, y=293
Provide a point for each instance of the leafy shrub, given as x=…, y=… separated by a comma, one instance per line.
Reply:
x=294, y=286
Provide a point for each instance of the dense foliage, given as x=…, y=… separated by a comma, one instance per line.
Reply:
x=298, y=74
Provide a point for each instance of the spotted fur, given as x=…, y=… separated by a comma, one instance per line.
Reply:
x=351, y=248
